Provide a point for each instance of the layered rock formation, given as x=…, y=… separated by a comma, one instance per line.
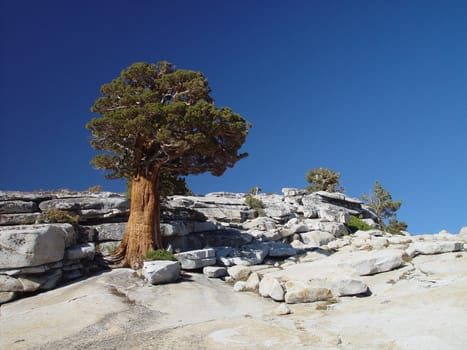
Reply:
x=301, y=250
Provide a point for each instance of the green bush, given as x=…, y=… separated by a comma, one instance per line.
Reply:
x=356, y=224
x=256, y=204
x=322, y=179
x=58, y=216
x=159, y=254
x=396, y=227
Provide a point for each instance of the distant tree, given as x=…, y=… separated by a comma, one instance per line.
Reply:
x=380, y=201
x=254, y=190
x=322, y=179
x=155, y=122
x=395, y=226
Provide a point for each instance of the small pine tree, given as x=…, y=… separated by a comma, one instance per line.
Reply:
x=322, y=179
x=380, y=201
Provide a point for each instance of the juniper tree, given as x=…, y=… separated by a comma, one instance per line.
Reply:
x=156, y=121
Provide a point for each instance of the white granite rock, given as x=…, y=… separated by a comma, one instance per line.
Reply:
x=239, y=272
x=161, y=271
x=272, y=288
x=282, y=309
x=240, y=286
x=196, y=259
x=371, y=262
x=214, y=271
x=434, y=247
x=252, y=283
x=303, y=292
x=32, y=245
x=316, y=238
x=81, y=251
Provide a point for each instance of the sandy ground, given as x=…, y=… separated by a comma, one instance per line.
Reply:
x=420, y=306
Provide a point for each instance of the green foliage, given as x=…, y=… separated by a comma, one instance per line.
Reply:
x=169, y=185
x=174, y=185
x=322, y=179
x=155, y=118
x=254, y=190
x=380, y=201
x=111, y=248
x=159, y=254
x=396, y=227
x=355, y=224
x=58, y=216
x=256, y=204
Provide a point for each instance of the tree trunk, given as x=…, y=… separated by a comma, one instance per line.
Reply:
x=143, y=228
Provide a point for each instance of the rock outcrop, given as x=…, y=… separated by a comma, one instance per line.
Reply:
x=302, y=245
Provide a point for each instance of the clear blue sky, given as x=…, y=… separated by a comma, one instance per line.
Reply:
x=375, y=90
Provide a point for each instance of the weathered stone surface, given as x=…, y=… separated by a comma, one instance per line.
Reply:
x=183, y=228
x=29, y=283
x=434, y=247
x=240, y=286
x=89, y=208
x=368, y=263
x=347, y=286
x=277, y=249
x=239, y=272
x=323, y=272
x=252, y=283
x=196, y=259
x=378, y=242
x=317, y=238
x=5, y=297
x=107, y=232
x=32, y=269
x=159, y=272
x=276, y=208
x=333, y=206
x=303, y=292
x=214, y=271
x=334, y=215
x=223, y=207
x=107, y=248
x=261, y=223
x=19, y=219
x=17, y=206
x=86, y=203
x=32, y=245
x=247, y=255
x=282, y=309
x=81, y=251
x=272, y=288
x=26, y=196
x=10, y=284
x=53, y=277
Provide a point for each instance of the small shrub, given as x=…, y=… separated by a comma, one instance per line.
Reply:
x=159, y=254
x=396, y=227
x=111, y=248
x=256, y=204
x=58, y=216
x=356, y=224
x=254, y=190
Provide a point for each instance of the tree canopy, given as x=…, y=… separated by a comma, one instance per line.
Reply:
x=154, y=115
x=322, y=179
x=381, y=202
